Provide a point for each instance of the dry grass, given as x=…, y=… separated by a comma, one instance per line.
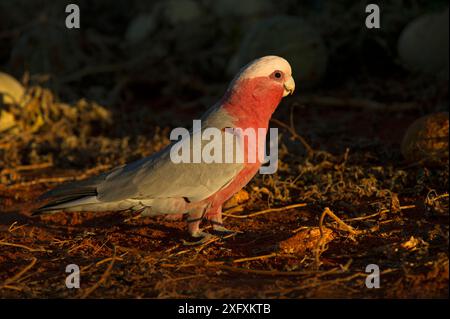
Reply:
x=374, y=206
x=343, y=196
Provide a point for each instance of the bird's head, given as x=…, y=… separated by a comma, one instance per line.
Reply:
x=270, y=72
x=258, y=88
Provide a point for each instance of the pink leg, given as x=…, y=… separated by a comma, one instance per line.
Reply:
x=215, y=217
x=194, y=219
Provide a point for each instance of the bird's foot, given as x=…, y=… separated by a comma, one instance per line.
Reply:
x=222, y=231
x=142, y=212
x=132, y=218
x=204, y=238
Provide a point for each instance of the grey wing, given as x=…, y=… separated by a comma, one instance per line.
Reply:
x=159, y=177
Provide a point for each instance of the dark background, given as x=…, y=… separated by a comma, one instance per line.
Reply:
x=109, y=93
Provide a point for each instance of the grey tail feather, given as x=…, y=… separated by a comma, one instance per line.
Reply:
x=50, y=207
x=84, y=187
x=68, y=192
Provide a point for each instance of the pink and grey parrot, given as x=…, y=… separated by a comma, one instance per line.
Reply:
x=155, y=185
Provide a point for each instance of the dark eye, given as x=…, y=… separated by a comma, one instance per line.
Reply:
x=277, y=75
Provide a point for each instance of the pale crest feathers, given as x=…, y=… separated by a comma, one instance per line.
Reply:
x=263, y=67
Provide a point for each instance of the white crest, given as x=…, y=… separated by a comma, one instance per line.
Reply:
x=264, y=67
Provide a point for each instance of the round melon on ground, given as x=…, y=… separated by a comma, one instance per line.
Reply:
x=11, y=91
x=423, y=44
x=426, y=139
x=291, y=38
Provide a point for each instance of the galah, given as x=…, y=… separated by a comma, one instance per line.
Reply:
x=156, y=185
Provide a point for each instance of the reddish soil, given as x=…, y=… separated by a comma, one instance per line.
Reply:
x=147, y=258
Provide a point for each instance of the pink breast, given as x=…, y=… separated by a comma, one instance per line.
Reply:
x=251, y=104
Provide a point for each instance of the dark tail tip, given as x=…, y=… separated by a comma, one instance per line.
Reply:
x=46, y=209
x=40, y=211
x=37, y=212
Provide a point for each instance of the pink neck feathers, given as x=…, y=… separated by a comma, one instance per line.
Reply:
x=253, y=101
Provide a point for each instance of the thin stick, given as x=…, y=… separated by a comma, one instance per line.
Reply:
x=103, y=245
x=441, y=196
x=13, y=227
x=101, y=262
x=33, y=166
x=349, y=228
x=4, y=243
x=276, y=272
x=235, y=209
x=300, y=228
x=269, y=210
x=378, y=213
x=19, y=274
x=295, y=135
x=240, y=260
x=11, y=287
x=367, y=217
x=315, y=284
x=319, y=246
x=102, y=278
x=183, y=278
x=214, y=239
x=327, y=283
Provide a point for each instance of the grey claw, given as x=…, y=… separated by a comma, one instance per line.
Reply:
x=204, y=237
x=222, y=231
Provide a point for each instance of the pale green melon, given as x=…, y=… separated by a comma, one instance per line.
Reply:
x=11, y=90
x=423, y=44
x=291, y=38
x=239, y=8
x=140, y=27
x=181, y=11
x=426, y=140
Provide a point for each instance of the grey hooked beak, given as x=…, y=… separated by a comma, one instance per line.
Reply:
x=289, y=87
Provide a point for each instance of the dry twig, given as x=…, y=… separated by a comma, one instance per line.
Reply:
x=241, y=260
x=265, y=211
x=103, y=277
x=319, y=246
x=4, y=243
x=15, y=278
x=295, y=135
